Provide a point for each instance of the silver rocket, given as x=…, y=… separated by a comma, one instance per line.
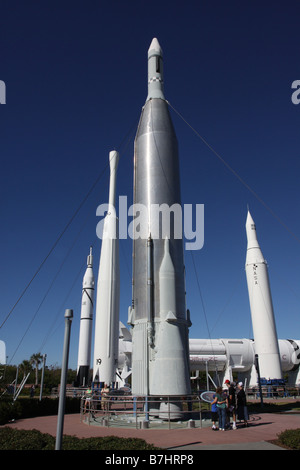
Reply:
x=160, y=358
x=261, y=306
x=86, y=324
x=106, y=343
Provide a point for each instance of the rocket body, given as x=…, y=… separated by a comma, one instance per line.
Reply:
x=86, y=324
x=262, y=313
x=158, y=312
x=106, y=344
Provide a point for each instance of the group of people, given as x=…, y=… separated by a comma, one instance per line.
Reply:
x=88, y=404
x=229, y=402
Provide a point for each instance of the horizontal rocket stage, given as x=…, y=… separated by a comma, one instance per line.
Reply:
x=223, y=355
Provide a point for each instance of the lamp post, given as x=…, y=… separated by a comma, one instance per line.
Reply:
x=63, y=380
x=43, y=374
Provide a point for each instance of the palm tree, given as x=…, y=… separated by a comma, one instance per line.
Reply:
x=35, y=361
x=25, y=367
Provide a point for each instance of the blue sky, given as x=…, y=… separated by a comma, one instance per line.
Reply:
x=76, y=81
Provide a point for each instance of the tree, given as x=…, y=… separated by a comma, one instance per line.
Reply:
x=35, y=361
x=25, y=367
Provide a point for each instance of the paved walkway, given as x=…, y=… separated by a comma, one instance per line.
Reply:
x=263, y=427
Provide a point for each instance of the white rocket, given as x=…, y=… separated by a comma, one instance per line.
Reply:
x=263, y=320
x=86, y=324
x=106, y=344
x=158, y=314
x=170, y=365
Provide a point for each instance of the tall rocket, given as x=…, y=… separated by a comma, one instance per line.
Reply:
x=263, y=320
x=106, y=343
x=160, y=358
x=86, y=324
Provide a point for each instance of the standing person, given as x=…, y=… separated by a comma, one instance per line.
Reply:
x=105, y=397
x=231, y=402
x=242, y=411
x=88, y=399
x=214, y=412
x=221, y=405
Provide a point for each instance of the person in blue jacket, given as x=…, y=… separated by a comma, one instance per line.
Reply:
x=214, y=413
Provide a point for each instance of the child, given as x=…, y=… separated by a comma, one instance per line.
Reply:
x=214, y=412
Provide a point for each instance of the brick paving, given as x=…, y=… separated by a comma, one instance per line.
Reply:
x=263, y=427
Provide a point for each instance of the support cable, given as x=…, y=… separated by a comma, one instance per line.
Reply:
x=237, y=175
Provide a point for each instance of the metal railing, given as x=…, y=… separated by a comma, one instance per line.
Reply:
x=274, y=392
x=142, y=412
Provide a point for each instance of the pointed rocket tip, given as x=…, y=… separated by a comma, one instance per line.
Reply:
x=167, y=244
x=90, y=258
x=251, y=232
x=155, y=46
x=155, y=71
x=249, y=219
x=114, y=159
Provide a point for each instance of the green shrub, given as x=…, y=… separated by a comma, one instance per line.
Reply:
x=105, y=443
x=290, y=438
x=9, y=411
x=32, y=407
x=16, y=439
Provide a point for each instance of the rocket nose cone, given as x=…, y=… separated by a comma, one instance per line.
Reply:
x=90, y=258
x=155, y=71
x=167, y=245
x=249, y=220
x=251, y=232
x=155, y=46
x=113, y=159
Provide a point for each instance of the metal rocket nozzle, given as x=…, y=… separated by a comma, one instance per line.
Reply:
x=155, y=71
